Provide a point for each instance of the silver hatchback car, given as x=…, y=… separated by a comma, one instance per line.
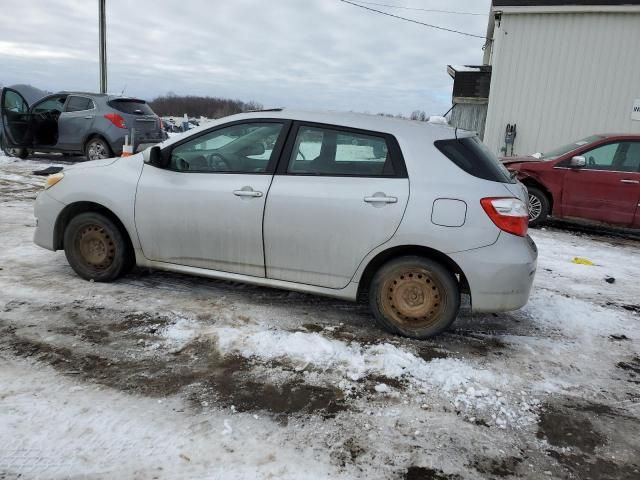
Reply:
x=407, y=214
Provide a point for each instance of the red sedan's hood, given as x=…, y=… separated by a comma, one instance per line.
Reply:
x=523, y=159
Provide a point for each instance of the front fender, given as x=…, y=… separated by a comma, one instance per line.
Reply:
x=109, y=183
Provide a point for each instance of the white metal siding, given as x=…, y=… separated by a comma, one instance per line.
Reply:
x=561, y=77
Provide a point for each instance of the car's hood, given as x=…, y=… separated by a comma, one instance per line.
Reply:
x=523, y=159
x=91, y=164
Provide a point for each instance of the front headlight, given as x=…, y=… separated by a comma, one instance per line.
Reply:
x=53, y=179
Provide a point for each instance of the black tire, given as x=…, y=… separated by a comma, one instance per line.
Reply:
x=21, y=153
x=414, y=297
x=96, y=248
x=97, y=148
x=539, y=206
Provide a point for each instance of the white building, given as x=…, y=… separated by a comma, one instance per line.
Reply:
x=562, y=70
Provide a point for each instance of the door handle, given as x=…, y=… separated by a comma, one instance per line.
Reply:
x=381, y=199
x=247, y=192
x=635, y=182
x=88, y=117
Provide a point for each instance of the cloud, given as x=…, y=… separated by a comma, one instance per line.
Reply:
x=295, y=53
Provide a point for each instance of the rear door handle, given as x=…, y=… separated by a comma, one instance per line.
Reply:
x=381, y=199
x=88, y=117
x=247, y=192
x=636, y=182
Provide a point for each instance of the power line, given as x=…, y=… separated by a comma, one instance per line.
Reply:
x=424, y=9
x=413, y=21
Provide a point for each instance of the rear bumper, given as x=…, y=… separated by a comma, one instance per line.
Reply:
x=46, y=210
x=500, y=275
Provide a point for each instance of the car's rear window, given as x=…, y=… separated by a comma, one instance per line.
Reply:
x=132, y=106
x=472, y=156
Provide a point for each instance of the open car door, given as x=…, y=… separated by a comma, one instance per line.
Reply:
x=16, y=119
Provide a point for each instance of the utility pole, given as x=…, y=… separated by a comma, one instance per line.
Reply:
x=102, y=27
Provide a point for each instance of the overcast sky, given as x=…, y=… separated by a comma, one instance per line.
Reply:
x=318, y=54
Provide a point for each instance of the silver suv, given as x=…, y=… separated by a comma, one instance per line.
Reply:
x=407, y=214
x=76, y=123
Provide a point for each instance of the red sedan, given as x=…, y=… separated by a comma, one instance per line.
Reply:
x=595, y=179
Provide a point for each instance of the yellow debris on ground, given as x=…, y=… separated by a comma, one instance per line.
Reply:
x=582, y=261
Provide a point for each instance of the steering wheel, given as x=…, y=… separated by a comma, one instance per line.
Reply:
x=591, y=162
x=181, y=164
x=218, y=162
x=44, y=115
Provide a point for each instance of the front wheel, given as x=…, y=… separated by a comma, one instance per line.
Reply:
x=415, y=297
x=538, y=206
x=95, y=248
x=21, y=153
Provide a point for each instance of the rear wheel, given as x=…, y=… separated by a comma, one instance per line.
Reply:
x=97, y=149
x=538, y=206
x=96, y=248
x=415, y=297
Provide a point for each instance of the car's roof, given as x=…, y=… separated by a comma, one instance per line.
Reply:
x=619, y=135
x=363, y=121
x=97, y=95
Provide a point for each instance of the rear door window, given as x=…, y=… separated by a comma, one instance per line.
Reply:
x=333, y=152
x=472, y=156
x=78, y=104
x=132, y=106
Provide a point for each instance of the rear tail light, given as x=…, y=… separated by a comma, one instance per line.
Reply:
x=509, y=214
x=116, y=119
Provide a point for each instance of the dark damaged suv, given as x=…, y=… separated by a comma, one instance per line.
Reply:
x=92, y=124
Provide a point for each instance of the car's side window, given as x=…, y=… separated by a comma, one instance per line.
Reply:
x=14, y=102
x=56, y=103
x=630, y=157
x=618, y=157
x=78, y=104
x=602, y=158
x=329, y=152
x=240, y=148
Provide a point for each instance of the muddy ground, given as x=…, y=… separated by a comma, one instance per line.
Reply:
x=162, y=375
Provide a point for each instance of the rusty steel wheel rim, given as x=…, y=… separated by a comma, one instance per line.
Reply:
x=96, y=247
x=413, y=298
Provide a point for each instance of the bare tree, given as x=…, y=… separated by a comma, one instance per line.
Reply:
x=196, y=106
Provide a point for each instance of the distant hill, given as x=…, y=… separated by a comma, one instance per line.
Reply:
x=193, y=106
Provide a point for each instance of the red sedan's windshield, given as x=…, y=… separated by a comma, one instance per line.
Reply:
x=558, y=152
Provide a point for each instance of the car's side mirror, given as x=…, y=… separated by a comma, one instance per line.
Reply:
x=153, y=156
x=578, y=161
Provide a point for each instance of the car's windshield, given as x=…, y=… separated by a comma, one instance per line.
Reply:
x=558, y=152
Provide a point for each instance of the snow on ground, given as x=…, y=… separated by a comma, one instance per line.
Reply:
x=162, y=375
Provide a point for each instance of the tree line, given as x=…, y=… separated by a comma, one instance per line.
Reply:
x=199, y=106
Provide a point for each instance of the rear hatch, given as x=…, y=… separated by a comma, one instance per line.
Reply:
x=138, y=114
x=471, y=155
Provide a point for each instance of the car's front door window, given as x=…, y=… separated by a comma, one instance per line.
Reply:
x=13, y=102
x=602, y=158
x=629, y=160
x=617, y=157
x=56, y=103
x=241, y=148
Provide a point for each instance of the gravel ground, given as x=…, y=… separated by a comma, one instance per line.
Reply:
x=162, y=375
